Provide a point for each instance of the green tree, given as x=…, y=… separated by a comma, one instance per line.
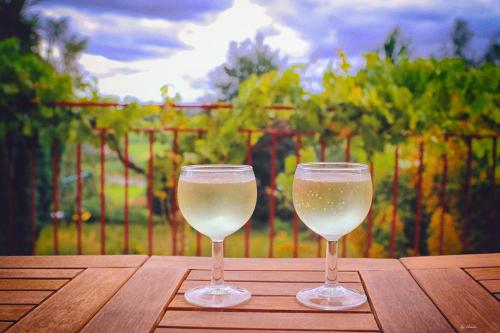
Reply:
x=396, y=45
x=461, y=37
x=243, y=60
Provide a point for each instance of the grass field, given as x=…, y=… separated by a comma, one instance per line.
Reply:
x=259, y=241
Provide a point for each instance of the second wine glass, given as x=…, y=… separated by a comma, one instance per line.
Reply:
x=217, y=200
x=332, y=199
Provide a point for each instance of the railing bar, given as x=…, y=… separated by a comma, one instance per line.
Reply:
x=418, y=215
x=173, y=202
x=444, y=180
x=347, y=159
x=32, y=166
x=369, y=218
x=491, y=213
x=322, y=144
x=79, y=198
x=467, y=194
x=298, y=147
x=198, y=234
x=394, y=203
x=249, y=161
x=271, y=195
x=125, y=204
x=102, y=157
x=150, y=193
x=10, y=197
x=55, y=194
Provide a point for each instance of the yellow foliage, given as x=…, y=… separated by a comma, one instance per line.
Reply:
x=383, y=222
x=451, y=240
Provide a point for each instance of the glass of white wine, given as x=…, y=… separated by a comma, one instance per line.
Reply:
x=332, y=199
x=217, y=200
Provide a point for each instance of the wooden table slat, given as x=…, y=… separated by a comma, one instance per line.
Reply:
x=38, y=273
x=74, y=304
x=274, y=264
x=139, y=304
x=215, y=330
x=273, y=276
x=261, y=303
x=4, y=325
x=270, y=288
x=461, y=299
x=453, y=261
x=72, y=261
x=13, y=312
x=31, y=284
x=487, y=273
x=23, y=296
x=269, y=320
x=400, y=305
x=493, y=286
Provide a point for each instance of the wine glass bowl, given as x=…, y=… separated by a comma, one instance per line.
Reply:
x=332, y=199
x=217, y=200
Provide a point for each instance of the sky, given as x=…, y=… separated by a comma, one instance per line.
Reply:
x=136, y=47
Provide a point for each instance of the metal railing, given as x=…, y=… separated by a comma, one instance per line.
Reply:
x=275, y=135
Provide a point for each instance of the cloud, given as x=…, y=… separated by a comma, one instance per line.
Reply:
x=171, y=10
x=122, y=37
x=362, y=26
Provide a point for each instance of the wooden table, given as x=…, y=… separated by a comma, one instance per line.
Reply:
x=141, y=294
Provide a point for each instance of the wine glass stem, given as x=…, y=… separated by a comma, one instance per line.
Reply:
x=217, y=263
x=331, y=276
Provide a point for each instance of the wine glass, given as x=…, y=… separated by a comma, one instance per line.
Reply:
x=217, y=200
x=332, y=199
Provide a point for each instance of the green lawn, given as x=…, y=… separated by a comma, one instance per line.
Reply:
x=259, y=241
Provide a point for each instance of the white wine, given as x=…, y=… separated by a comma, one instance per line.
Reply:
x=332, y=204
x=217, y=204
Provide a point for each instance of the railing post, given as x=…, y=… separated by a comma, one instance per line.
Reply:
x=347, y=159
x=418, y=215
x=491, y=213
x=198, y=234
x=444, y=180
x=249, y=161
x=322, y=144
x=102, y=158
x=173, y=202
x=125, y=208
x=392, y=245
x=271, y=194
x=79, y=198
x=467, y=194
x=369, y=218
x=150, y=192
x=32, y=165
x=55, y=194
x=298, y=147
x=10, y=196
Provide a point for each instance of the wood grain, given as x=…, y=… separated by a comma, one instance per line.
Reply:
x=270, y=288
x=461, y=261
x=72, y=261
x=4, y=325
x=38, y=273
x=269, y=321
x=261, y=303
x=273, y=276
x=400, y=305
x=139, y=304
x=23, y=296
x=13, y=312
x=74, y=304
x=282, y=264
x=210, y=330
x=493, y=286
x=487, y=273
x=464, y=302
x=31, y=284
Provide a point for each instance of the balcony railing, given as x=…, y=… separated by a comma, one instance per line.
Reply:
x=275, y=135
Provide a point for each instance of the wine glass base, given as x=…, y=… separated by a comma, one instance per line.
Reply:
x=333, y=298
x=220, y=296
